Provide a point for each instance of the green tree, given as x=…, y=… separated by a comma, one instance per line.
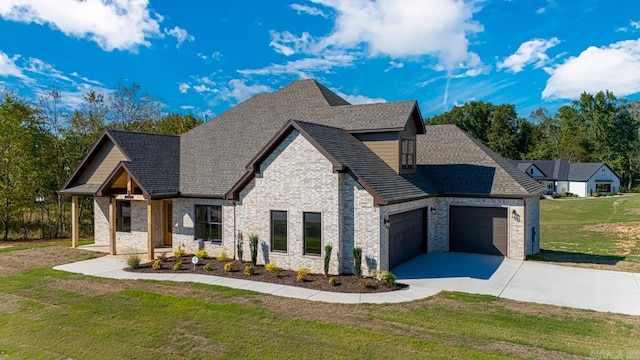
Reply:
x=176, y=124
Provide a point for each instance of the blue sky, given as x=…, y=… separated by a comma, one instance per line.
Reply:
x=206, y=56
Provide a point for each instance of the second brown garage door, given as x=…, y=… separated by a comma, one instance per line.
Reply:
x=481, y=230
x=406, y=236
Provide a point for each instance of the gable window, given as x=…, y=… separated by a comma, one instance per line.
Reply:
x=123, y=216
x=209, y=223
x=312, y=233
x=603, y=172
x=407, y=154
x=279, y=231
x=531, y=171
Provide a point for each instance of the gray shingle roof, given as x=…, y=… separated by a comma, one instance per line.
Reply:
x=458, y=164
x=154, y=159
x=562, y=170
x=583, y=171
x=213, y=156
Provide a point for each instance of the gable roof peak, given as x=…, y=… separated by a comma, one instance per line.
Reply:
x=309, y=90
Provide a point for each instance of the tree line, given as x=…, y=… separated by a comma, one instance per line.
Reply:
x=593, y=128
x=43, y=141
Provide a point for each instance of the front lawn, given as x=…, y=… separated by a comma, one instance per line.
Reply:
x=594, y=232
x=47, y=314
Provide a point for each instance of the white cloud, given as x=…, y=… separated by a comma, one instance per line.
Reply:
x=635, y=25
x=394, y=65
x=180, y=34
x=288, y=44
x=184, y=87
x=201, y=88
x=622, y=29
x=405, y=28
x=541, y=10
x=216, y=55
x=8, y=66
x=303, y=68
x=615, y=67
x=358, y=99
x=309, y=10
x=240, y=91
x=530, y=52
x=187, y=107
x=114, y=24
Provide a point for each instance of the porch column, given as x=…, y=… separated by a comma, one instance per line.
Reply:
x=149, y=231
x=75, y=218
x=112, y=226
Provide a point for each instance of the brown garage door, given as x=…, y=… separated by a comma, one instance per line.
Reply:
x=481, y=230
x=406, y=236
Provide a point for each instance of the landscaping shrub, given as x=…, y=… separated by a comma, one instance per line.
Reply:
x=240, y=245
x=207, y=267
x=253, y=247
x=333, y=281
x=596, y=195
x=223, y=256
x=202, y=254
x=133, y=261
x=177, y=266
x=386, y=277
x=357, y=259
x=157, y=265
x=228, y=267
x=249, y=270
x=368, y=283
x=272, y=268
x=179, y=253
x=303, y=274
x=327, y=258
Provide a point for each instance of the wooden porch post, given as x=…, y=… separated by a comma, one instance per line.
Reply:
x=75, y=218
x=149, y=231
x=112, y=226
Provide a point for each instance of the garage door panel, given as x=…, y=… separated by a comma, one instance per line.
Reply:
x=480, y=230
x=406, y=236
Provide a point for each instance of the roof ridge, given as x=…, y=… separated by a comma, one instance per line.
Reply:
x=139, y=132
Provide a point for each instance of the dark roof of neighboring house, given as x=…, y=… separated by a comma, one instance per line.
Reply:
x=458, y=164
x=562, y=170
x=213, y=156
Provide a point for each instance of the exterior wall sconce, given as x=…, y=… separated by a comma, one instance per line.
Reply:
x=387, y=223
x=433, y=210
x=514, y=215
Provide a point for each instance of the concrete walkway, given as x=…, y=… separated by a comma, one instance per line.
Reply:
x=427, y=275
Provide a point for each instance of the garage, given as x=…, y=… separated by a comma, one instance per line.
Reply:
x=407, y=238
x=481, y=230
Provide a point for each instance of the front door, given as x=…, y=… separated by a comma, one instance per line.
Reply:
x=168, y=223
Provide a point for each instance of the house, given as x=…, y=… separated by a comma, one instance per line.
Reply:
x=302, y=168
x=582, y=179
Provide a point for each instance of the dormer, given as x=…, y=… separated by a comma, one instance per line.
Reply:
x=396, y=146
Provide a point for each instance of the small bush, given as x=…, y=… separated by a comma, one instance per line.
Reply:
x=240, y=244
x=228, y=267
x=179, y=253
x=327, y=258
x=253, y=247
x=596, y=195
x=368, y=283
x=223, y=256
x=177, y=266
x=357, y=259
x=202, y=254
x=157, y=265
x=272, y=268
x=333, y=281
x=386, y=277
x=303, y=274
x=249, y=270
x=207, y=267
x=619, y=193
x=133, y=261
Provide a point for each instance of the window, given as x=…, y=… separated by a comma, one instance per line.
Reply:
x=123, y=216
x=408, y=154
x=312, y=233
x=279, y=231
x=603, y=172
x=209, y=223
x=603, y=188
x=531, y=171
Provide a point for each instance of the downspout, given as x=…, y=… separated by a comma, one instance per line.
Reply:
x=524, y=216
x=234, y=230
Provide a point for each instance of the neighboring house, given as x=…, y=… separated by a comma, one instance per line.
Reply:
x=582, y=179
x=302, y=168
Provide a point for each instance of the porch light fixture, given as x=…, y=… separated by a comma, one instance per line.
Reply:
x=387, y=223
x=514, y=215
x=433, y=210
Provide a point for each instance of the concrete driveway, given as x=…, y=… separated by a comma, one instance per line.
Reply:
x=600, y=290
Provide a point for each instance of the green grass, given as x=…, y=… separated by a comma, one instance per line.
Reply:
x=37, y=245
x=593, y=231
x=54, y=316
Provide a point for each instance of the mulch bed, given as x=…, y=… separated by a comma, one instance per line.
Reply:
x=344, y=283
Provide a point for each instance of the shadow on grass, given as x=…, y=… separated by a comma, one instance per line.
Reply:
x=575, y=257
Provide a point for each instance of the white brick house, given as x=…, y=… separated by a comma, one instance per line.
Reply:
x=301, y=168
